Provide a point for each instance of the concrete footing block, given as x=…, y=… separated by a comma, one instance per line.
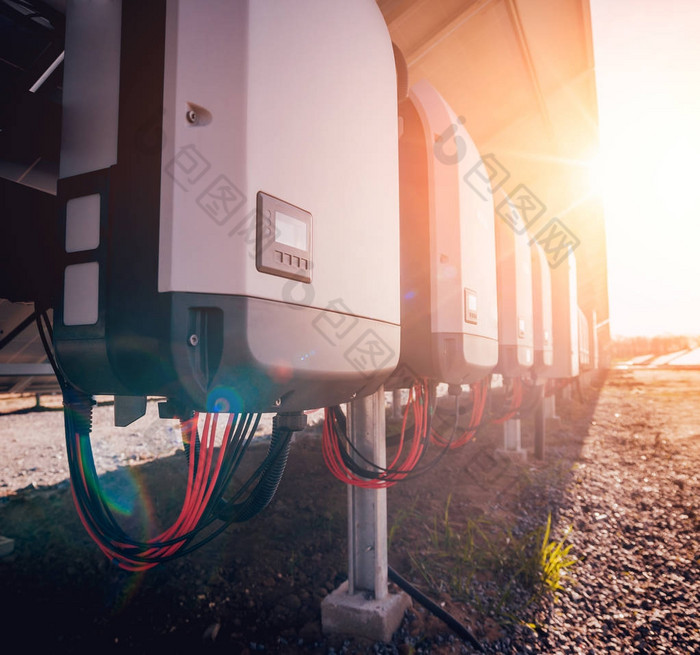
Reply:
x=519, y=454
x=357, y=616
x=512, y=444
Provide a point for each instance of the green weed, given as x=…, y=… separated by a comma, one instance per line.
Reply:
x=485, y=564
x=554, y=559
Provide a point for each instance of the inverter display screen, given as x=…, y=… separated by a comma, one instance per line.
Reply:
x=291, y=231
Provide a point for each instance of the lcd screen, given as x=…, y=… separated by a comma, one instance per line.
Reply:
x=290, y=231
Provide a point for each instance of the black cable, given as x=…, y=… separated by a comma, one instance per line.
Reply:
x=485, y=421
x=261, y=496
x=469, y=428
x=379, y=472
x=102, y=522
x=459, y=629
x=78, y=420
x=95, y=510
x=238, y=445
x=507, y=408
x=186, y=550
x=531, y=405
x=458, y=413
x=47, y=348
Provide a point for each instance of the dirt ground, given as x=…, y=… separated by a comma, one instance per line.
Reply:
x=621, y=469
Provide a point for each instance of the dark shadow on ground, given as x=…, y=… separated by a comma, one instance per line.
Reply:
x=256, y=582
x=259, y=585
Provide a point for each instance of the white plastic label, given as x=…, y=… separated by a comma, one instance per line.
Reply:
x=81, y=292
x=83, y=223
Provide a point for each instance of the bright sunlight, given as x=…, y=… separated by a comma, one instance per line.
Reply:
x=648, y=79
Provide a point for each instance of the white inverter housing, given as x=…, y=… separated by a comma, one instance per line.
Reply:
x=449, y=314
x=541, y=310
x=595, y=354
x=229, y=190
x=584, y=347
x=514, y=276
x=565, y=319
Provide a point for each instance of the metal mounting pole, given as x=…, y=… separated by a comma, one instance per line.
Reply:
x=550, y=407
x=512, y=445
x=549, y=410
x=396, y=404
x=367, y=523
x=540, y=434
x=363, y=606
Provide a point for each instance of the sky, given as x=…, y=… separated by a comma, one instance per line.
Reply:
x=647, y=59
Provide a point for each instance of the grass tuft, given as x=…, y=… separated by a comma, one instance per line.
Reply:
x=483, y=563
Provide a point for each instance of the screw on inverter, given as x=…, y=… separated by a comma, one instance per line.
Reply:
x=192, y=116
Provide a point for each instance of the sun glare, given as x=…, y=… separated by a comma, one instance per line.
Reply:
x=676, y=176
x=648, y=164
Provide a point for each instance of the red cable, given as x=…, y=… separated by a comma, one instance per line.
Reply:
x=515, y=402
x=201, y=481
x=480, y=394
x=418, y=404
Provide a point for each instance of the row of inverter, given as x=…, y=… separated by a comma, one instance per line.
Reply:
x=478, y=293
x=256, y=217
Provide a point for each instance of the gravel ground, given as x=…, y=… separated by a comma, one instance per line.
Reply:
x=633, y=506
x=622, y=469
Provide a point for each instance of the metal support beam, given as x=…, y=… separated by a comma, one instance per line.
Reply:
x=21, y=385
x=396, y=404
x=511, y=434
x=17, y=330
x=367, y=523
x=540, y=431
x=23, y=370
x=549, y=405
x=526, y=54
x=446, y=30
x=362, y=606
